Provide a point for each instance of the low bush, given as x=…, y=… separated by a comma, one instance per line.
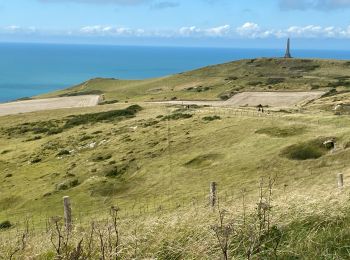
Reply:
x=63, y=152
x=176, y=116
x=211, y=118
x=35, y=160
x=82, y=93
x=313, y=149
x=5, y=224
x=108, y=102
x=107, y=116
x=113, y=171
x=274, y=81
x=67, y=184
x=101, y=156
x=85, y=137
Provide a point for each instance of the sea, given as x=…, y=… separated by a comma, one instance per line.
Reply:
x=31, y=69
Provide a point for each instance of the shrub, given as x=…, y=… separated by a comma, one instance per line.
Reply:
x=274, y=81
x=211, y=118
x=225, y=96
x=313, y=149
x=35, y=160
x=107, y=116
x=177, y=116
x=101, y=156
x=85, y=137
x=67, y=184
x=232, y=78
x=114, y=171
x=82, y=93
x=5, y=224
x=108, y=102
x=63, y=152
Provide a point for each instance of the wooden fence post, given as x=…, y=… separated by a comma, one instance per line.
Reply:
x=213, y=194
x=340, y=178
x=67, y=213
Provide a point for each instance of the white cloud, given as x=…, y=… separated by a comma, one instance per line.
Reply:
x=18, y=29
x=253, y=30
x=247, y=30
x=219, y=31
x=99, y=30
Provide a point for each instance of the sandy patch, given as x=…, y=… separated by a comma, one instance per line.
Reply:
x=48, y=104
x=252, y=99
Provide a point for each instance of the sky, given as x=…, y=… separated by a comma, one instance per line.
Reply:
x=319, y=24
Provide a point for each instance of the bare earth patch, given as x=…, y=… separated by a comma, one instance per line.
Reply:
x=272, y=99
x=48, y=104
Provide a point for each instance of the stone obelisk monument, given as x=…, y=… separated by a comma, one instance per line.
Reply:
x=288, y=55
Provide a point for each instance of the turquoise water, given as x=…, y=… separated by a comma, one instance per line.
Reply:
x=31, y=69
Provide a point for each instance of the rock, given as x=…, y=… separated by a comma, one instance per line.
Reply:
x=92, y=145
x=338, y=107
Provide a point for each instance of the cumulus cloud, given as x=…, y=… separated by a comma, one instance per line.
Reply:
x=219, y=31
x=313, y=4
x=100, y=30
x=247, y=30
x=253, y=30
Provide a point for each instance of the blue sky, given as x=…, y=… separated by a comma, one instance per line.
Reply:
x=237, y=23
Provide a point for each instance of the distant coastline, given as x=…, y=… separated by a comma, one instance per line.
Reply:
x=32, y=69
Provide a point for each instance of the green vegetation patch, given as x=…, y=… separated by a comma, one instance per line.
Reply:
x=5, y=224
x=282, y=131
x=52, y=127
x=331, y=239
x=313, y=149
x=113, y=171
x=211, y=118
x=204, y=160
x=177, y=116
x=82, y=93
x=107, y=116
x=68, y=184
x=108, y=102
x=101, y=156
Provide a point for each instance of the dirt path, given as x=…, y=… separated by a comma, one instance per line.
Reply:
x=48, y=104
x=252, y=99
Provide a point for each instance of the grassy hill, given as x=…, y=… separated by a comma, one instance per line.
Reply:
x=155, y=162
x=224, y=80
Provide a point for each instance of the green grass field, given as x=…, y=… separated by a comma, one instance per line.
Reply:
x=157, y=162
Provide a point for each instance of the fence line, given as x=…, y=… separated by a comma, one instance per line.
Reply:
x=214, y=196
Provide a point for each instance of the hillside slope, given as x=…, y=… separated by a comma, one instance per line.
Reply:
x=155, y=162
x=224, y=80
